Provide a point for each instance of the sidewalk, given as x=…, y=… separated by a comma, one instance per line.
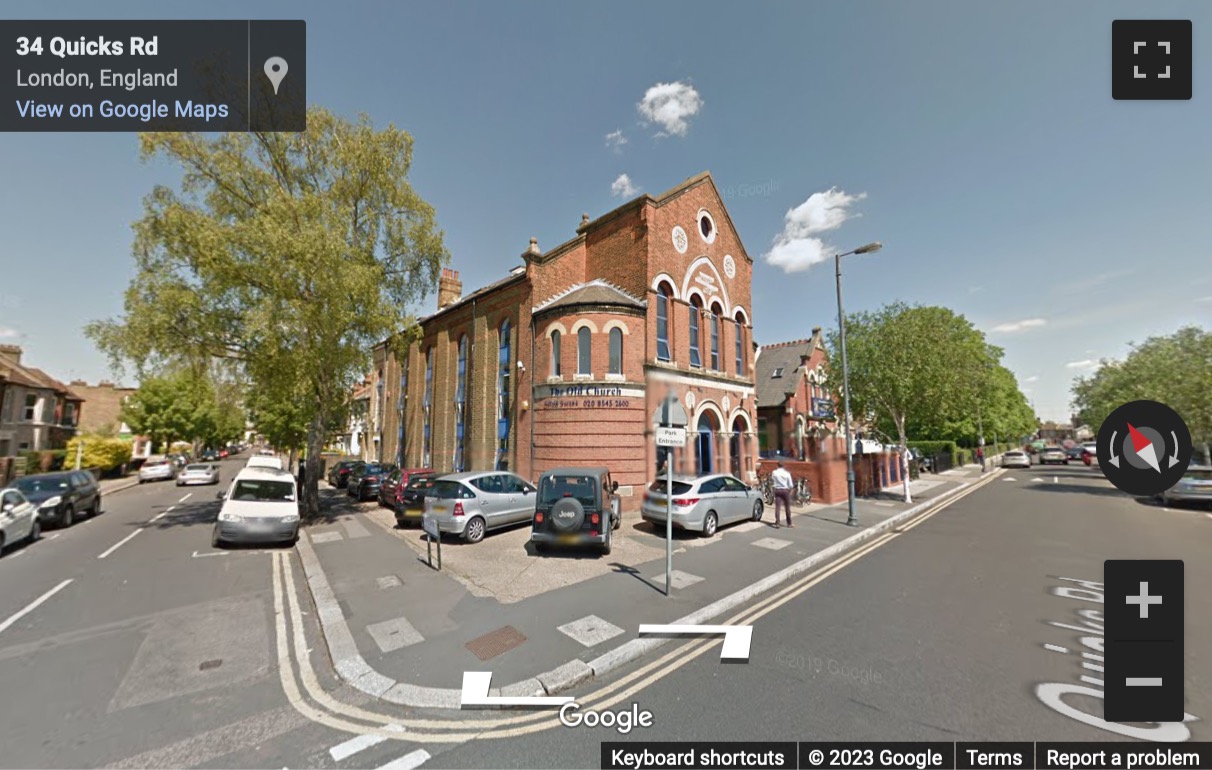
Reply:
x=109, y=486
x=402, y=631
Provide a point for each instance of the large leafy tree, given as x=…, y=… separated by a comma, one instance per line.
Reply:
x=1175, y=370
x=912, y=368
x=289, y=253
x=175, y=406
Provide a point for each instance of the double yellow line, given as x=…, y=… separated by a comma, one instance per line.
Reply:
x=305, y=694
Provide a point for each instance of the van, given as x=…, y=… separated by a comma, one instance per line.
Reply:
x=261, y=461
x=261, y=506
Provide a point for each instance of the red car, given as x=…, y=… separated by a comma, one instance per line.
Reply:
x=393, y=486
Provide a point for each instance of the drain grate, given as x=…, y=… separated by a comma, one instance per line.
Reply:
x=209, y=664
x=495, y=643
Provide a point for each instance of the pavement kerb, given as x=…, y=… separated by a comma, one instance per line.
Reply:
x=355, y=671
x=121, y=485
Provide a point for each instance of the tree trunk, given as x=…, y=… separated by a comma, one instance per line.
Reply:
x=311, y=477
x=900, y=430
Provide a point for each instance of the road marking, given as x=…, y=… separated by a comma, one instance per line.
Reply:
x=475, y=693
x=52, y=537
x=17, y=555
x=737, y=639
x=204, y=555
x=120, y=543
x=352, y=746
x=34, y=605
x=1055, y=648
x=408, y=761
x=183, y=499
x=1055, y=479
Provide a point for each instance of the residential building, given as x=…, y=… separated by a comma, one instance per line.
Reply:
x=796, y=411
x=104, y=415
x=37, y=412
x=564, y=360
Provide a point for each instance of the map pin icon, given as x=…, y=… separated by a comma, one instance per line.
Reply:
x=275, y=70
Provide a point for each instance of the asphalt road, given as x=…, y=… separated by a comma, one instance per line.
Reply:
x=162, y=652
x=937, y=634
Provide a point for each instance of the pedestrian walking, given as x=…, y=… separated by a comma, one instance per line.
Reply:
x=980, y=457
x=783, y=484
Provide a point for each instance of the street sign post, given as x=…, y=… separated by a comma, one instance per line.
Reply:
x=671, y=420
x=430, y=526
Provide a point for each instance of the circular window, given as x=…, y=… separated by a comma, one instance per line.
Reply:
x=706, y=226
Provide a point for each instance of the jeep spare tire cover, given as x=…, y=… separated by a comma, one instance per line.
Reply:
x=567, y=514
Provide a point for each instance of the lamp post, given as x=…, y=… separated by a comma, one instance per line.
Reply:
x=870, y=248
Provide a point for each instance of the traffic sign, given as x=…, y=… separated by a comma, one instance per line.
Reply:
x=671, y=413
x=671, y=437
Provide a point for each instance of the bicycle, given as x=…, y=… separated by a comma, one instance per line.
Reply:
x=803, y=492
x=766, y=487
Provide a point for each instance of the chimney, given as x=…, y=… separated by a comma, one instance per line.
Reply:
x=816, y=330
x=450, y=288
x=11, y=353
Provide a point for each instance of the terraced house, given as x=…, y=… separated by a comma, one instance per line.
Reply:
x=564, y=360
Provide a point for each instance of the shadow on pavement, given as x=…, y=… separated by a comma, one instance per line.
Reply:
x=1078, y=489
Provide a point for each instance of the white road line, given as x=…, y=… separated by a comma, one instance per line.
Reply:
x=34, y=604
x=183, y=499
x=120, y=543
x=204, y=555
x=52, y=537
x=408, y=761
x=1055, y=479
x=354, y=745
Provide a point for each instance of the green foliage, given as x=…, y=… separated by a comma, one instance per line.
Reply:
x=104, y=452
x=1175, y=370
x=288, y=253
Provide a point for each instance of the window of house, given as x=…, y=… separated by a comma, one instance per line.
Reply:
x=503, y=372
x=401, y=405
x=696, y=357
x=616, y=351
x=555, y=354
x=706, y=227
x=778, y=372
x=69, y=414
x=460, y=451
x=715, y=340
x=31, y=406
x=740, y=351
x=584, y=351
x=427, y=439
x=663, y=323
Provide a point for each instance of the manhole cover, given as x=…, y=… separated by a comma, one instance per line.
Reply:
x=495, y=643
x=209, y=664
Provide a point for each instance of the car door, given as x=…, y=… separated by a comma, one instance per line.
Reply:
x=711, y=491
x=491, y=499
x=16, y=516
x=740, y=504
x=86, y=489
x=521, y=497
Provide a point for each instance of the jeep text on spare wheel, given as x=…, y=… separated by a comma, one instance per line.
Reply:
x=575, y=507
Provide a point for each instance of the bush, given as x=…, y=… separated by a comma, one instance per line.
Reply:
x=100, y=452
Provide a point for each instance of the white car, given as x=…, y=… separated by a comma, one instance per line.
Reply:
x=260, y=507
x=18, y=519
x=263, y=461
x=157, y=469
x=199, y=473
x=1016, y=458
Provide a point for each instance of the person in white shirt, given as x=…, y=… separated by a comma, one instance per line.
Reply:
x=783, y=484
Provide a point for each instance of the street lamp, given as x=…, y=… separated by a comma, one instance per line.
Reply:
x=870, y=248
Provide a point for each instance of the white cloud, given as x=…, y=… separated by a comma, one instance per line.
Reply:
x=670, y=105
x=1032, y=378
x=1018, y=326
x=798, y=247
x=615, y=140
x=623, y=188
x=1087, y=363
x=6, y=333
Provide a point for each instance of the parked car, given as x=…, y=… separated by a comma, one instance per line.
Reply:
x=471, y=504
x=392, y=487
x=62, y=496
x=338, y=474
x=1089, y=456
x=1053, y=455
x=209, y=456
x=1016, y=458
x=1074, y=454
x=576, y=506
x=1194, y=488
x=157, y=469
x=364, y=480
x=702, y=503
x=261, y=506
x=198, y=473
x=923, y=463
x=411, y=506
x=19, y=520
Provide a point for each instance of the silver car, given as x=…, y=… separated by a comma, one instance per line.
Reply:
x=1194, y=488
x=1053, y=455
x=199, y=473
x=157, y=469
x=702, y=503
x=1016, y=458
x=471, y=504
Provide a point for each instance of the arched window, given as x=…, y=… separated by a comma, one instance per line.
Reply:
x=555, y=354
x=715, y=337
x=427, y=443
x=696, y=355
x=460, y=448
x=740, y=350
x=663, y=323
x=584, y=351
x=503, y=372
x=616, y=351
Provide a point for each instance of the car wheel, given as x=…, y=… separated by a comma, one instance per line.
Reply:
x=710, y=524
x=96, y=509
x=215, y=540
x=474, y=532
x=606, y=546
x=758, y=509
x=69, y=517
x=35, y=531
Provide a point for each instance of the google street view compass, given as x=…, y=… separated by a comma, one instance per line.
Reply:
x=1144, y=448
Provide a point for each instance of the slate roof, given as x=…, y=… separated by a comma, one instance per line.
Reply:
x=596, y=292
x=771, y=390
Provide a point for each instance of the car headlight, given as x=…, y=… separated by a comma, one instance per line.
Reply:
x=51, y=503
x=228, y=517
x=291, y=519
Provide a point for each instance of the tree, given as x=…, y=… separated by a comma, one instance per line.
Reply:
x=289, y=253
x=1175, y=370
x=171, y=407
x=909, y=366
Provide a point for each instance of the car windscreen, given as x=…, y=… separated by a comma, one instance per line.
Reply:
x=1202, y=475
x=448, y=490
x=34, y=485
x=661, y=485
x=553, y=488
x=257, y=490
x=424, y=482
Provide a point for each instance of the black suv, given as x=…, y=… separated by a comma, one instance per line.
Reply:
x=576, y=506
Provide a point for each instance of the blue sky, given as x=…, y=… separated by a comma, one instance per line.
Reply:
x=978, y=141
